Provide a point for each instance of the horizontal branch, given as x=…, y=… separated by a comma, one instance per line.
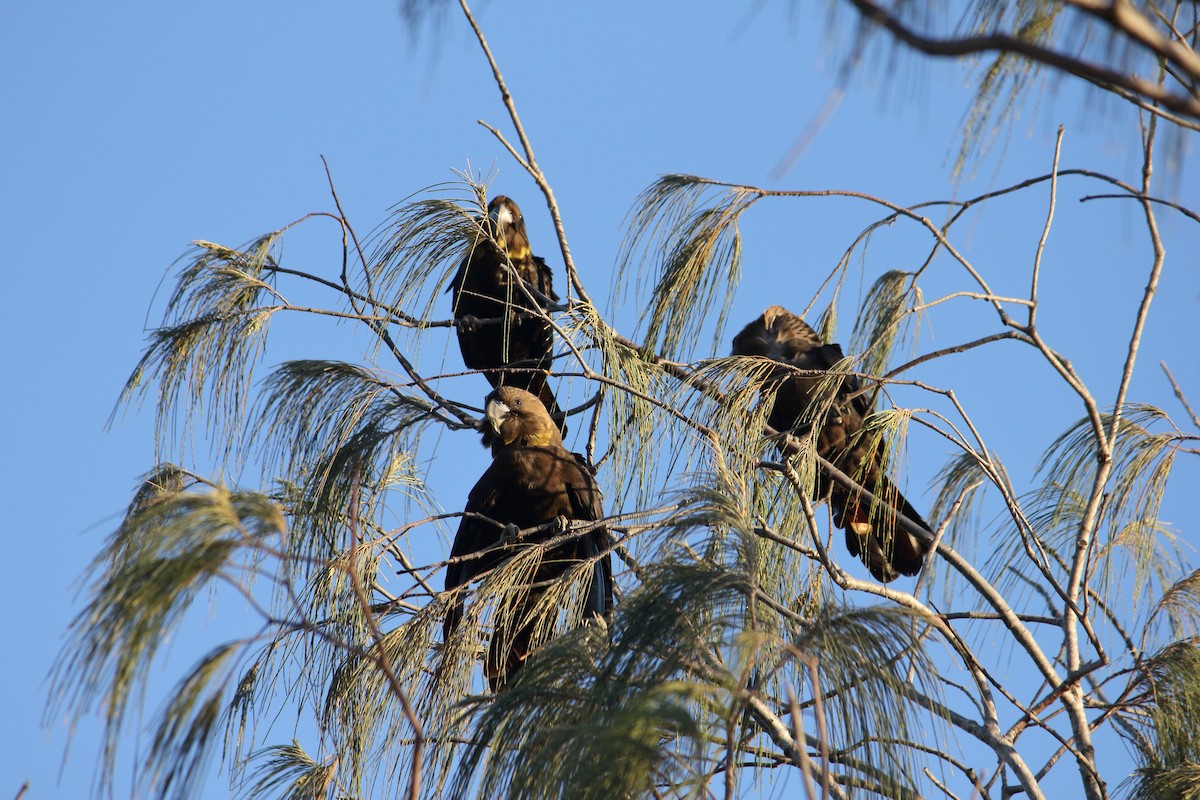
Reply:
x=1004, y=43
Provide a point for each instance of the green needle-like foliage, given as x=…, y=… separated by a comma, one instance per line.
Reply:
x=287, y=772
x=202, y=357
x=647, y=703
x=701, y=258
x=173, y=544
x=1142, y=459
x=417, y=254
x=1171, y=682
x=886, y=320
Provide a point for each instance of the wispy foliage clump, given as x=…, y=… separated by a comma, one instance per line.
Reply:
x=175, y=542
x=343, y=435
x=417, y=253
x=1170, y=697
x=1132, y=538
x=286, y=771
x=1020, y=51
x=886, y=320
x=682, y=251
x=202, y=357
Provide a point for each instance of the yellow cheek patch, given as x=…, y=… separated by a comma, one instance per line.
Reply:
x=519, y=252
x=539, y=440
x=512, y=433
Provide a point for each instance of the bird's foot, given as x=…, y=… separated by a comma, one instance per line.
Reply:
x=510, y=534
x=467, y=323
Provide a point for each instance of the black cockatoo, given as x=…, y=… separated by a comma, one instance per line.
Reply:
x=485, y=289
x=532, y=480
x=874, y=535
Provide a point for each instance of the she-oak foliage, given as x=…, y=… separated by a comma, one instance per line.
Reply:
x=747, y=646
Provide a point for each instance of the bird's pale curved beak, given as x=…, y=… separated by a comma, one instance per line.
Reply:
x=500, y=218
x=496, y=413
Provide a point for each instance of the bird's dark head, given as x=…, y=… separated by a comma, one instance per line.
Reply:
x=515, y=418
x=760, y=336
x=774, y=314
x=507, y=226
x=778, y=334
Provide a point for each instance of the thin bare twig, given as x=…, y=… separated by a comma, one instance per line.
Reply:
x=1187, y=212
x=1179, y=394
x=1041, y=246
x=380, y=656
x=529, y=162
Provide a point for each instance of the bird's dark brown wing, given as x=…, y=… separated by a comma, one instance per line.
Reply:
x=528, y=486
x=493, y=295
x=588, y=504
x=474, y=535
x=569, y=492
x=872, y=531
x=545, y=278
x=496, y=331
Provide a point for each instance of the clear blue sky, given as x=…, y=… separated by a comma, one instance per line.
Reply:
x=130, y=129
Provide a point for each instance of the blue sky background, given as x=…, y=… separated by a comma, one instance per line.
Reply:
x=130, y=129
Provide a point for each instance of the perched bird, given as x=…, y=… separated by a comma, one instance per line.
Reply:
x=884, y=546
x=532, y=480
x=484, y=289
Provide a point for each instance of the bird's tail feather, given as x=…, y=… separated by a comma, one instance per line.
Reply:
x=876, y=535
x=598, y=601
x=508, y=651
x=509, y=648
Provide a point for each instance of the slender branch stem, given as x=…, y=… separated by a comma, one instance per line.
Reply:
x=529, y=162
x=1041, y=246
x=1186, y=104
x=1180, y=395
